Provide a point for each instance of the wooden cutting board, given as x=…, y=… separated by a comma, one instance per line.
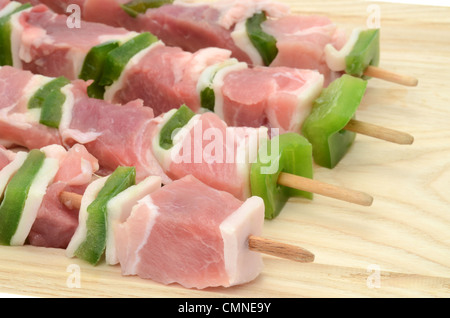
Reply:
x=398, y=247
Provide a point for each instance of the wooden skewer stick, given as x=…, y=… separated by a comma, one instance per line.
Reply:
x=71, y=200
x=278, y=249
x=379, y=132
x=373, y=71
x=255, y=243
x=318, y=187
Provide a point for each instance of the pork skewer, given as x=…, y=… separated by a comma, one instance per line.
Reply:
x=213, y=80
x=143, y=141
x=32, y=182
x=30, y=211
x=255, y=243
x=161, y=234
x=257, y=32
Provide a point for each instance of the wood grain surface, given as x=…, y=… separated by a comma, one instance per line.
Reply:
x=398, y=247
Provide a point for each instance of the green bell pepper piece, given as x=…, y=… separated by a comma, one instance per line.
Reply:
x=134, y=7
x=293, y=155
x=92, y=248
x=331, y=112
x=42, y=94
x=51, y=112
x=50, y=99
x=178, y=120
x=208, y=99
x=93, y=67
x=16, y=194
x=365, y=52
x=117, y=59
x=6, y=57
x=264, y=43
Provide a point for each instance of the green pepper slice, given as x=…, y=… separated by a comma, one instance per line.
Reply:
x=51, y=112
x=134, y=7
x=117, y=59
x=293, y=154
x=365, y=52
x=42, y=94
x=208, y=99
x=50, y=99
x=93, y=66
x=178, y=120
x=331, y=112
x=92, y=248
x=16, y=194
x=264, y=43
x=6, y=57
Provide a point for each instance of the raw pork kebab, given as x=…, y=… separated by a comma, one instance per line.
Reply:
x=125, y=66
x=185, y=232
x=38, y=111
x=257, y=32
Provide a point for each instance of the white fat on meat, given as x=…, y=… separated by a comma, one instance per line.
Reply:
x=57, y=152
x=121, y=38
x=34, y=199
x=242, y=41
x=65, y=131
x=10, y=7
x=242, y=264
x=198, y=238
x=236, y=11
x=213, y=77
x=248, y=141
x=203, y=58
x=16, y=38
x=119, y=209
x=336, y=58
x=134, y=233
x=206, y=77
x=218, y=83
